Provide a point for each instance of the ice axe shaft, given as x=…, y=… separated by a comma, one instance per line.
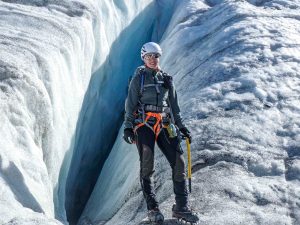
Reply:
x=189, y=163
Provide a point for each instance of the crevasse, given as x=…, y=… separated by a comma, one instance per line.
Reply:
x=53, y=59
x=236, y=69
x=104, y=103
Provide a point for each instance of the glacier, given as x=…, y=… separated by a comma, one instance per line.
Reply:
x=46, y=55
x=64, y=69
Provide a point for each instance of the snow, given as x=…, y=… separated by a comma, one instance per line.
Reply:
x=118, y=174
x=45, y=62
x=50, y=50
x=236, y=68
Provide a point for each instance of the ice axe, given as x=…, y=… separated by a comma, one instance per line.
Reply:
x=189, y=162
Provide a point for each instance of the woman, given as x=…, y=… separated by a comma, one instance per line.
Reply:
x=151, y=113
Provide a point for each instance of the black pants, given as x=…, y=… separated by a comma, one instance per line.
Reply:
x=170, y=147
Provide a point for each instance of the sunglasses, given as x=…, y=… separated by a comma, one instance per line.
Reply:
x=151, y=56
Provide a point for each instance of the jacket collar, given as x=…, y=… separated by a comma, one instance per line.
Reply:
x=151, y=71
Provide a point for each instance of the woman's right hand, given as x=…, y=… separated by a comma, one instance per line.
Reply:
x=128, y=135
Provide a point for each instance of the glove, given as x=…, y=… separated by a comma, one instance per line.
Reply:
x=186, y=133
x=128, y=135
x=168, y=80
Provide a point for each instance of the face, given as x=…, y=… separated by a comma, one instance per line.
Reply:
x=152, y=60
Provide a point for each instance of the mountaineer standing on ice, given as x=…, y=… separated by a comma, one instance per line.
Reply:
x=152, y=115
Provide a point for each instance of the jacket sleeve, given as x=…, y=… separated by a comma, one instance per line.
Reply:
x=132, y=99
x=175, y=107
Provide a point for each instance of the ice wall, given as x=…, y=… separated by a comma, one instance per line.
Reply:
x=102, y=112
x=47, y=50
x=106, y=198
x=236, y=68
x=56, y=45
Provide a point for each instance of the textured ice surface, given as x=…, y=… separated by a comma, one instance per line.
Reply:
x=101, y=113
x=236, y=68
x=46, y=55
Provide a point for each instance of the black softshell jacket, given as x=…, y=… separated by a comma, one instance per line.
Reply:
x=155, y=94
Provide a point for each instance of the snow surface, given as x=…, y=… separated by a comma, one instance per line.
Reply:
x=236, y=67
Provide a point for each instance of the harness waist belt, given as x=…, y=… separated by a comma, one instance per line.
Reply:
x=157, y=109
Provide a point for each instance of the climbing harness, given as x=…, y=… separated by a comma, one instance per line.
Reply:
x=156, y=127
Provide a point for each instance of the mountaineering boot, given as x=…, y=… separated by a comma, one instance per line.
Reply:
x=184, y=213
x=155, y=216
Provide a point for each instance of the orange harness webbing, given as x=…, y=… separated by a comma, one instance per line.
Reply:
x=157, y=126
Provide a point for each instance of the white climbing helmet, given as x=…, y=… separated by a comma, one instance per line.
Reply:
x=150, y=47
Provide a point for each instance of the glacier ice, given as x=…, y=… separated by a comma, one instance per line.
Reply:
x=235, y=64
x=236, y=68
x=46, y=57
x=48, y=53
x=103, y=104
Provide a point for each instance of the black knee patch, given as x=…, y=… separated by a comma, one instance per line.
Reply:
x=147, y=162
x=179, y=168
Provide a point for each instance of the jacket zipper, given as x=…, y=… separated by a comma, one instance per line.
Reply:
x=155, y=82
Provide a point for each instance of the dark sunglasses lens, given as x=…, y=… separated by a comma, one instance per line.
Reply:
x=152, y=55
